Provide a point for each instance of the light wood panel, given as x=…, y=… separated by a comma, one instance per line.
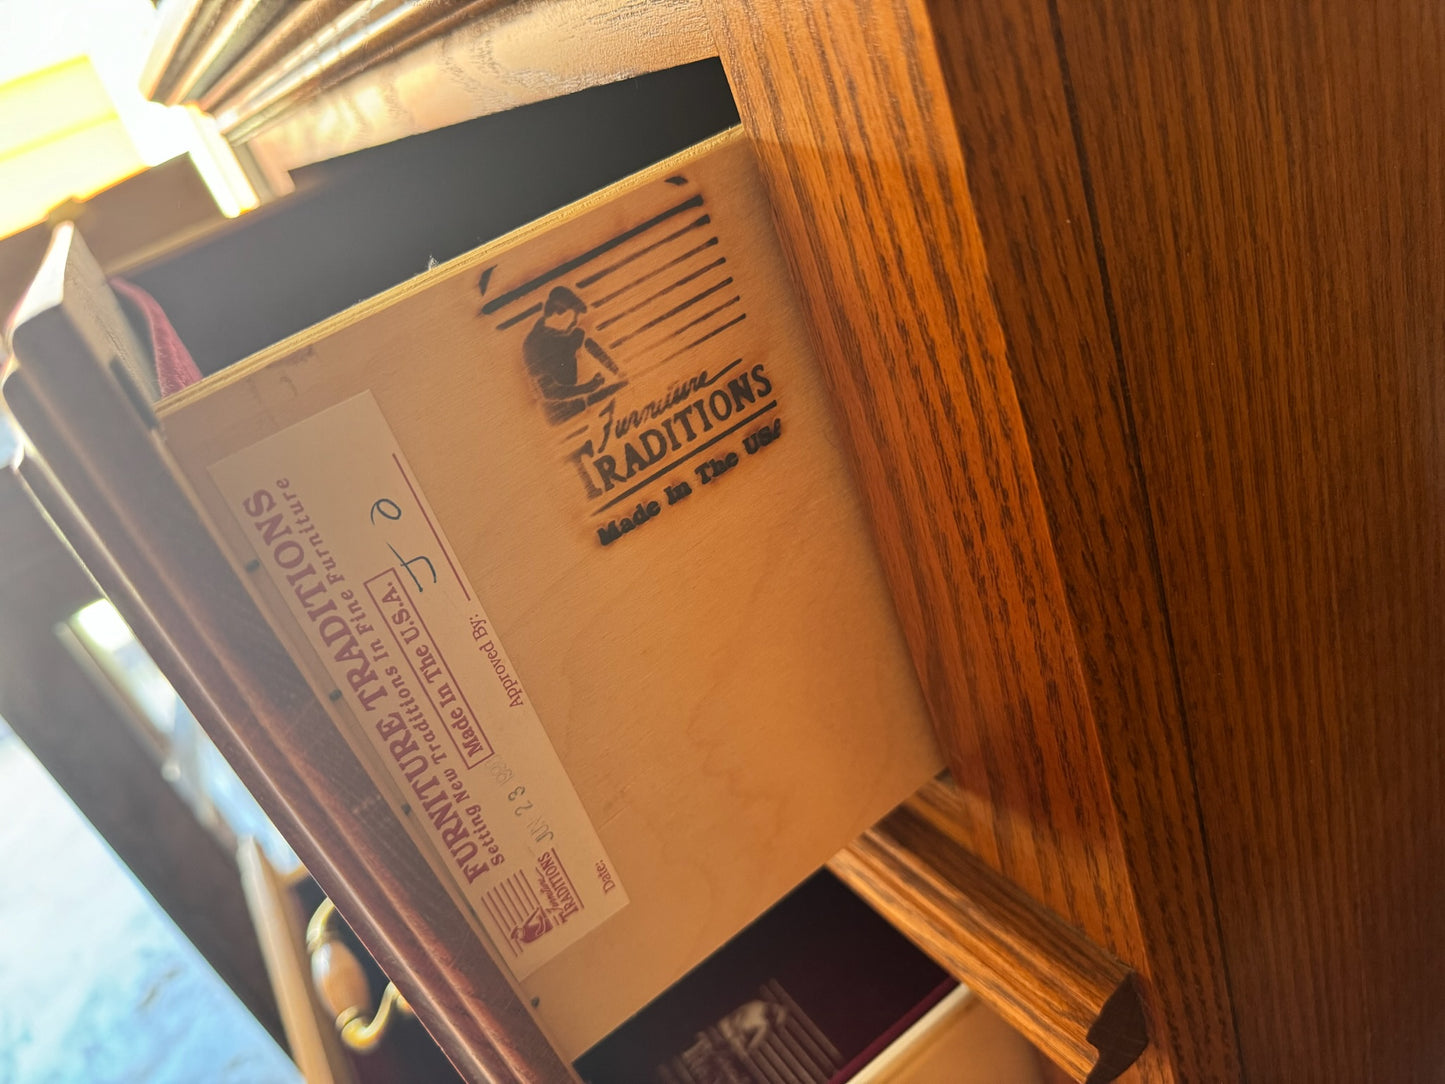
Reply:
x=959, y=1041
x=725, y=685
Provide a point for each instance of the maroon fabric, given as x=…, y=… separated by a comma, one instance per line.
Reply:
x=175, y=368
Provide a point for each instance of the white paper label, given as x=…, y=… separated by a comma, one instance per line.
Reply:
x=339, y=524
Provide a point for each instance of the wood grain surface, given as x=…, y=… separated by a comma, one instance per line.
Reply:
x=523, y=52
x=849, y=110
x=1078, y=1004
x=1148, y=450
x=158, y=564
x=180, y=24
x=393, y=32
x=1268, y=201
x=299, y=24
x=726, y=687
x=1010, y=99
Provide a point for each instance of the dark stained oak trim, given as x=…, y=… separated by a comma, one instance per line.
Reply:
x=1078, y=1004
x=1270, y=217
x=1011, y=101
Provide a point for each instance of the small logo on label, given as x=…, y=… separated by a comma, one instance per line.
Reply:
x=532, y=903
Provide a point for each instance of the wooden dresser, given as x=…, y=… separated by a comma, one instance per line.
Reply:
x=1128, y=319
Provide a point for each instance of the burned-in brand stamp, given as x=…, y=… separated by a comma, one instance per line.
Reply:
x=627, y=351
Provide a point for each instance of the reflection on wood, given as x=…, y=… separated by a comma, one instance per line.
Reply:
x=206, y=634
x=302, y=22
x=524, y=52
x=177, y=25
x=625, y=533
x=379, y=37
x=197, y=41
x=227, y=39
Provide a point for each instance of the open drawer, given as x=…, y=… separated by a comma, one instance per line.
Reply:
x=561, y=534
x=535, y=601
x=602, y=442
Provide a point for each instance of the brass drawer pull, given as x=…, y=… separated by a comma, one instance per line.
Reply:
x=342, y=987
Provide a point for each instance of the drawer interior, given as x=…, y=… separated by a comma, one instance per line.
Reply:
x=721, y=676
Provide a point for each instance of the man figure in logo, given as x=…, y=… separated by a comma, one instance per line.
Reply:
x=533, y=927
x=551, y=350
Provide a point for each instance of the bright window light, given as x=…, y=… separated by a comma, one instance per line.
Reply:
x=104, y=626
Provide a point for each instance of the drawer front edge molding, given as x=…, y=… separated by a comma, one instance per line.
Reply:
x=1074, y=1001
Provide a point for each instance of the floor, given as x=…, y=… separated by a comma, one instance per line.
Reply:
x=96, y=984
